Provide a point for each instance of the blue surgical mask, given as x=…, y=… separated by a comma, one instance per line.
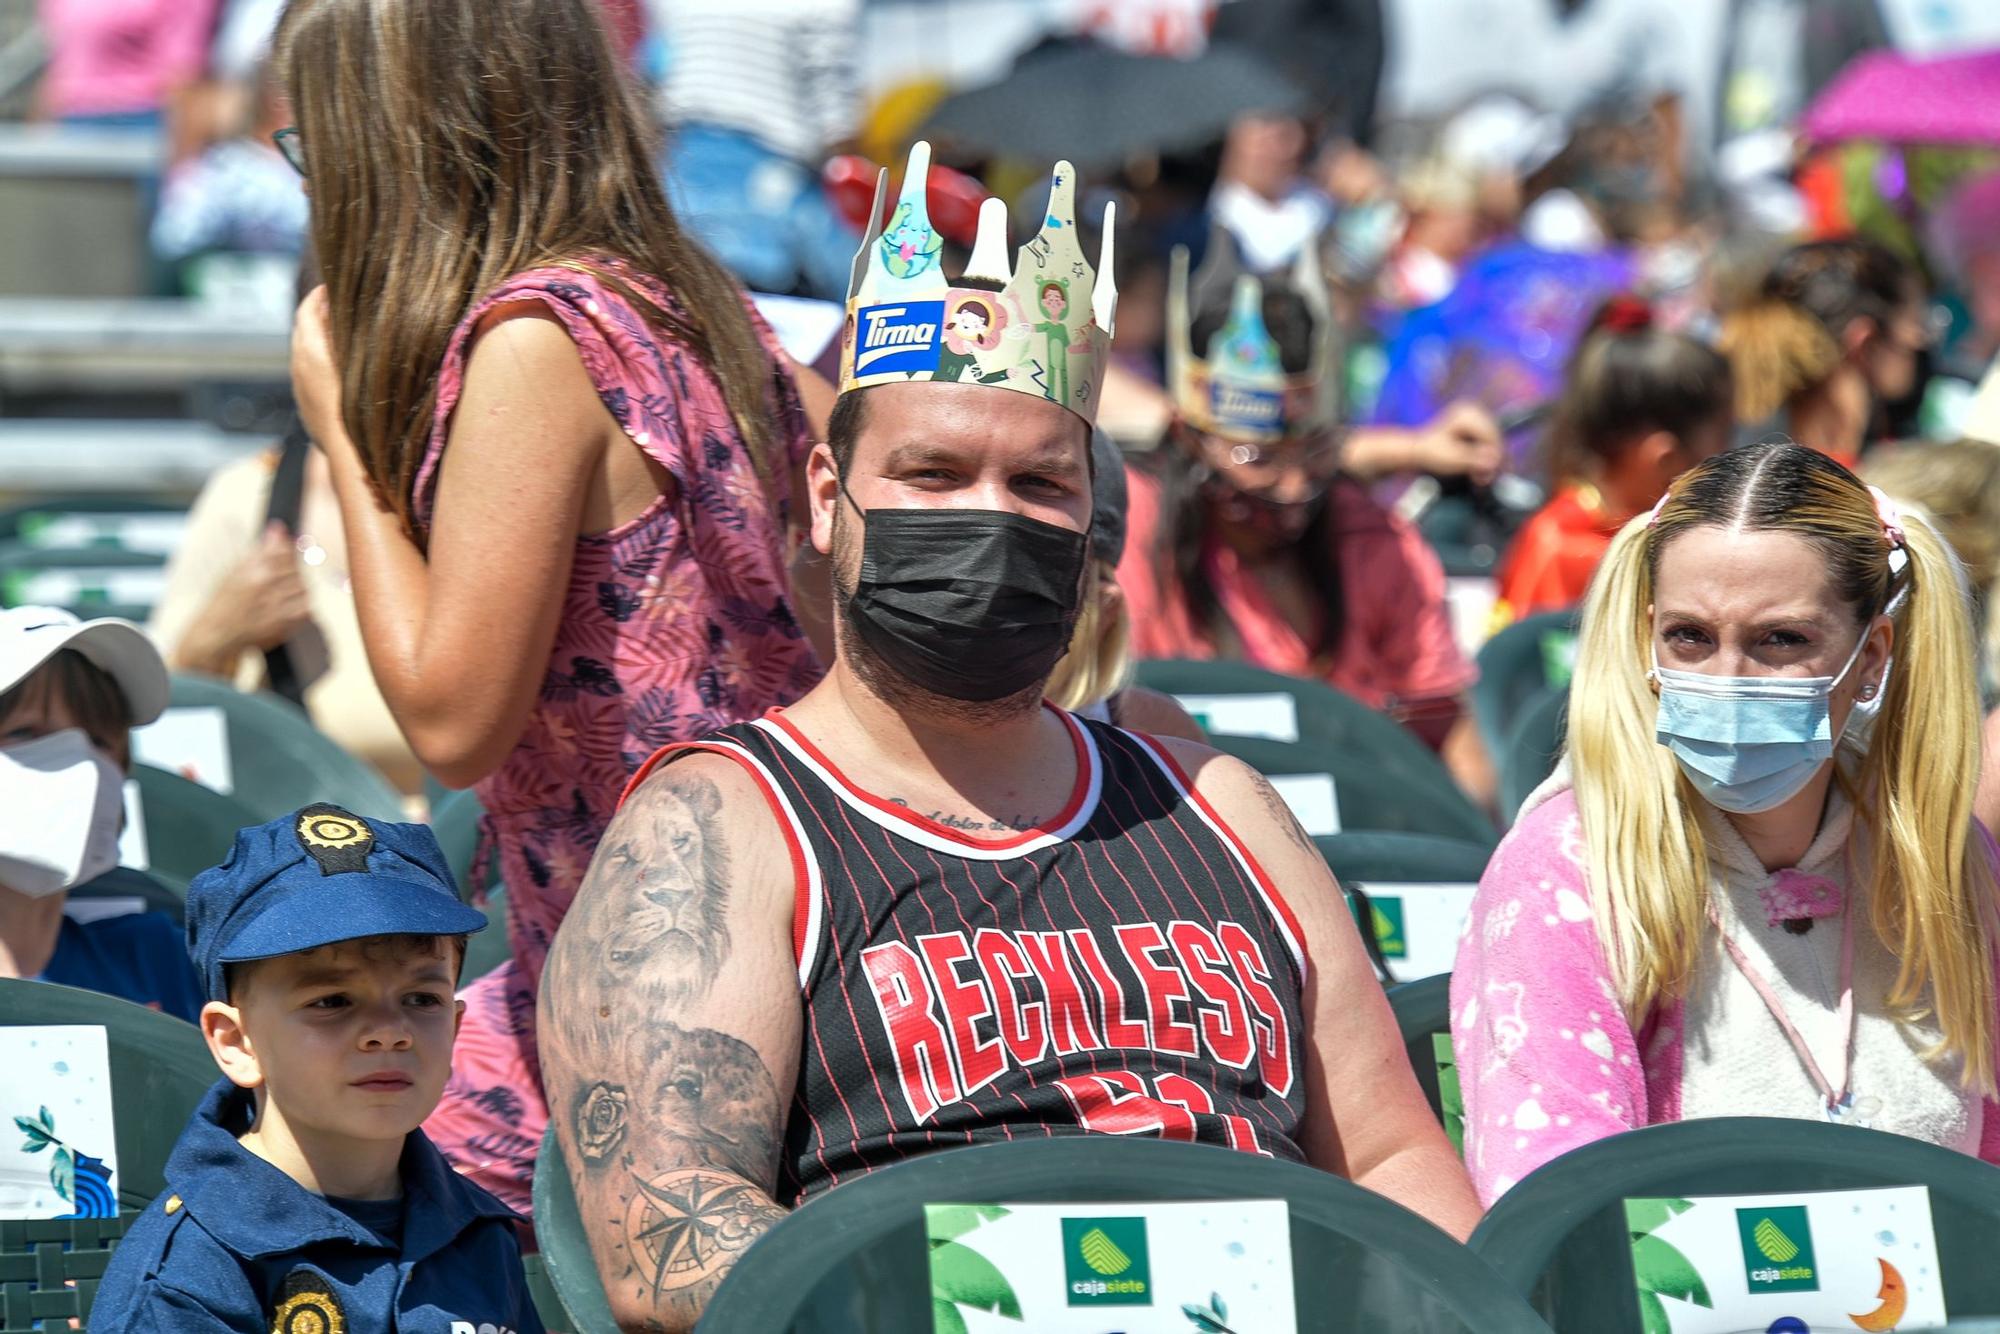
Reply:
x=1747, y=743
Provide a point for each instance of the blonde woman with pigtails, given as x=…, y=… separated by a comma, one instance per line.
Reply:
x=1727, y=901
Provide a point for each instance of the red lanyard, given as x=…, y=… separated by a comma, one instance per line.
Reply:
x=1835, y=1099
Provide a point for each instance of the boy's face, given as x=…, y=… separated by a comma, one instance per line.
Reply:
x=351, y=1040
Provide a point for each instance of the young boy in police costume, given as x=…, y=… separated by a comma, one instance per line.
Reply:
x=302, y=1198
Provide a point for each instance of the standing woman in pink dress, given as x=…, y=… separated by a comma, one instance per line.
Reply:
x=564, y=448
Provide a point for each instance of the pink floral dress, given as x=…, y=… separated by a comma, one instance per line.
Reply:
x=674, y=624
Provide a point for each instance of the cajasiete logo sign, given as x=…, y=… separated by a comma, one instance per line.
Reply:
x=1105, y=1262
x=1778, y=1249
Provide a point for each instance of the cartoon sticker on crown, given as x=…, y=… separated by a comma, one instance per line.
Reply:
x=1237, y=386
x=1042, y=328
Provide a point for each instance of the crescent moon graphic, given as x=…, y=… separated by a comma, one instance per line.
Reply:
x=1895, y=1300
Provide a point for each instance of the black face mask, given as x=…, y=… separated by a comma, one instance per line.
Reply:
x=973, y=605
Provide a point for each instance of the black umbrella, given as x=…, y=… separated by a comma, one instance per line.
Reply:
x=1098, y=106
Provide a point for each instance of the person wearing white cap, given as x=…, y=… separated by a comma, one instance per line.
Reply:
x=70, y=693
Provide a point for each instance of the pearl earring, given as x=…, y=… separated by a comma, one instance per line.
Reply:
x=1868, y=691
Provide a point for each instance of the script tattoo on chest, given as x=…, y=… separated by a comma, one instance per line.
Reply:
x=970, y=824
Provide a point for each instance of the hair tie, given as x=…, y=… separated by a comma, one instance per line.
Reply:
x=1625, y=314
x=1653, y=516
x=1891, y=517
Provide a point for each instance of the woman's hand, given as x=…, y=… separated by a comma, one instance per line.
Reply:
x=259, y=605
x=1462, y=441
x=316, y=378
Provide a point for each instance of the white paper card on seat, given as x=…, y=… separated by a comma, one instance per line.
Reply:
x=1313, y=800
x=133, y=850
x=1417, y=925
x=1798, y=1262
x=1274, y=716
x=192, y=742
x=58, y=1145
x=1140, y=1268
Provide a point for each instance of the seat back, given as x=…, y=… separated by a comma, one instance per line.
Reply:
x=280, y=761
x=455, y=820
x=189, y=828
x=847, y=1260
x=1560, y=1236
x=565, y=1248
x=488, y=949
x=1418, y=886
x=119, y=523
x=1381, y=776
x=1532, y=750
x=160, y=1068
x=1423, y=1014
x=89, y=581
x=1517, y=666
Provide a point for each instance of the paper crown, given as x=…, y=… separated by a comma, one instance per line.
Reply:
x=1238, y=386
x=1043, y=329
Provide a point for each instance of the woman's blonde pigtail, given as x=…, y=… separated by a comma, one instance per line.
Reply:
x=1933, y=891
x=1645, y=858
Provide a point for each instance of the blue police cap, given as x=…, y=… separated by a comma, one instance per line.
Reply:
x=317, y=877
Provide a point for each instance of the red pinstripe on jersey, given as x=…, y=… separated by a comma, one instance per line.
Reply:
x=1124, y=968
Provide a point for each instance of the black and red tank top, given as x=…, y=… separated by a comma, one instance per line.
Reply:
x=1126, y=968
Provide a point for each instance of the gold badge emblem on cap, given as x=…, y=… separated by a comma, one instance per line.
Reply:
x=332, y=829
x=339, y=841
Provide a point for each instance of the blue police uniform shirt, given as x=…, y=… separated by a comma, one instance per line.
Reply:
x=235, y=1244
x=140, y=957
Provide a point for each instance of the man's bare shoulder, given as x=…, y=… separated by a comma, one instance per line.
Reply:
x=1246, y=801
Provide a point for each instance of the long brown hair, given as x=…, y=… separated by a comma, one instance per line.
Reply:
x=1789, y=340
x=451, y=144
x=1629, y=378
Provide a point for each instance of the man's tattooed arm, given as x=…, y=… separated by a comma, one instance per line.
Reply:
x=668, y=1047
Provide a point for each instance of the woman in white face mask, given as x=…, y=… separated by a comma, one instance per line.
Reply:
x=70, y=693
x=1723, y=903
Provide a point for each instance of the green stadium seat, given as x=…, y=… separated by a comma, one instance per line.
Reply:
x=189, y=828
x=565, y=1250
x=1416, y=885
x=846, y=1261
x=90, y=581
x=548, y=1305
x=1519, y=665
x=1383, y=778
x=1560, y=1237
x=1532, y=749
x=455, y=820
x=279, y=761
x=160, y=1068
x=1423, y=1015
x=123, y=884
x=488, y=949
x=122, y=523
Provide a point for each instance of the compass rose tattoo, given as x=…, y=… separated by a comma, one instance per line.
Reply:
x=681, y=1223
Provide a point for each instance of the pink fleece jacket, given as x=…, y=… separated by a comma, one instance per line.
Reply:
x=1546, y=1059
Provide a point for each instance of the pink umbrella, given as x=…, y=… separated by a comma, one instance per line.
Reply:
x=1896, y=98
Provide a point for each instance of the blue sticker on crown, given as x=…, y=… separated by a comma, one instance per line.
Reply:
x=1255, y=409
x=904, y=338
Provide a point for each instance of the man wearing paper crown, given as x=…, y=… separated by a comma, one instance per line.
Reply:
x=1000, y=920
x=1251, y=538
